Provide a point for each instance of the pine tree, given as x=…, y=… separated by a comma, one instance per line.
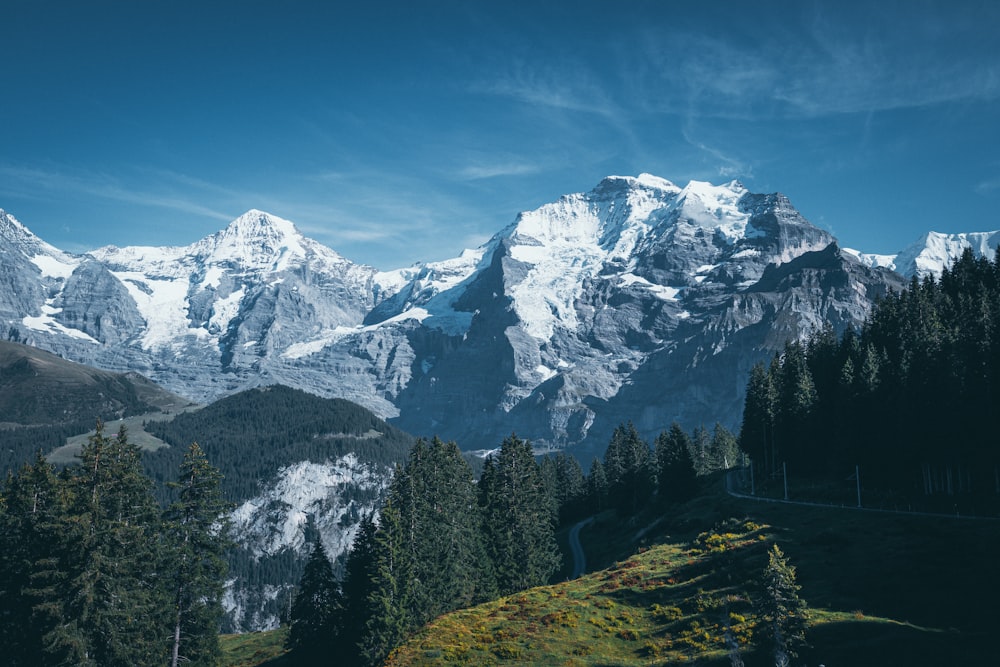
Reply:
x=105, y=593
x=359, y=572
x=30, y=511
x=425, y=558
x=450, y=560
x=676, y=478
x=197, y=537
x=628, y=468
x=701, y=443
x=757, y=431
x=387, y=603
x=797, y=400
x=518, y=518
x=597, y=486
x=316, y=611
x=569, y=486
x=781, y=613
x=724, y=452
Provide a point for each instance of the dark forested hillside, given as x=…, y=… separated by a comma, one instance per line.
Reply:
x=255, y=438
x=44, y=399
x=909, y=399
x=251, y=434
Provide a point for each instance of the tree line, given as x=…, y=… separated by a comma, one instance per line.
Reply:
x=443, y=540
x=94, y=573
x=633, y=475
x=909, y=397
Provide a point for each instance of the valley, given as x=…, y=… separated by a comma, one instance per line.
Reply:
x=306, y=379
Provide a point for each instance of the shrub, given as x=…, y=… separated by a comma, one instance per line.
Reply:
x=665, y=614
x=629, y=634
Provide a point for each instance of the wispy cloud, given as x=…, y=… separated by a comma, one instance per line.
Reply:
x=988, y=187
x=476, y=172
x=405, y=215
x=854, y=62
x=35, y=181
x=567, y=89
x=727, y=166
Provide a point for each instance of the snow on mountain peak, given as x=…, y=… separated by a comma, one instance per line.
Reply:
x=12, y=230
x=618, y=184
x=256, y=222
x=655, y=182
x=259, y=239
x=574, y=238
x=935, y=251
x=9, y=223
x=714, y=207
x=51, y=262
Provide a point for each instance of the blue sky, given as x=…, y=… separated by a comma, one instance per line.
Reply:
x=403, y=131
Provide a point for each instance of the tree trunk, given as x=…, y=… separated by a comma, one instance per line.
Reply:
x=175, y=651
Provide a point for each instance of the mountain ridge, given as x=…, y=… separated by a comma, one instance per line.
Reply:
x=545, y=329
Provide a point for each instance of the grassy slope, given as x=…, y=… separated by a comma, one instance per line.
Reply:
x=254, y=648
x=883, y=589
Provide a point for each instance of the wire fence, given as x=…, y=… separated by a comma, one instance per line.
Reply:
x=739, y=481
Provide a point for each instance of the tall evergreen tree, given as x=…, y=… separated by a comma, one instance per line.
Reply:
x=677, y=479
x=426, y=557
x=797, y=399
x=450, y=562
x=196, y=529
x=781, y=613
x=757, y=431
x=111, y=609
x=701, y=443
x=724, y=452
x=597, y=486
x=518, y=518
x=628, y=468
x=359, y=572
x=569, y=486
x=388, y=600
x=31, y=508
x=316, y=611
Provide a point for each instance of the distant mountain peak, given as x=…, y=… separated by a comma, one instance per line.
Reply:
x=256, y=239
x=256, y=224
x=14, y=233
x=12, y=229
x=933, y=252
x=617, y=184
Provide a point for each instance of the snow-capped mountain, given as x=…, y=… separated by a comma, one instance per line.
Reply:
x=932, y=253
x=639, y=300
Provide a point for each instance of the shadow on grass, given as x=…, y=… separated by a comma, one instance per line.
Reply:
x=864, y=643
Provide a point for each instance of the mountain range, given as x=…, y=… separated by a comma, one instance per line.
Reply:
x=636, y=301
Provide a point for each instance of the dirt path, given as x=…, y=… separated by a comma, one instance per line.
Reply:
x=579, y=558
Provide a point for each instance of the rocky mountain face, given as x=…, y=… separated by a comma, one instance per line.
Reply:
x=296, y=467
x=639, y=300
x=328, y=497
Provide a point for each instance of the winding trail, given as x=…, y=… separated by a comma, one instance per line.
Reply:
x=579, y=558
